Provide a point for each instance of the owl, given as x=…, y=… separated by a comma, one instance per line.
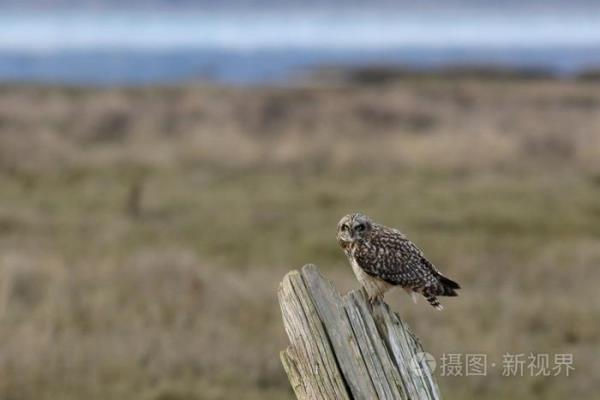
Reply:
x=383, y=258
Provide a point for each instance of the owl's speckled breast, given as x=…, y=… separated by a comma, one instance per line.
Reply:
x=375, y=287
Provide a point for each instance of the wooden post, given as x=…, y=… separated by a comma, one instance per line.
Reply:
x=342, y=348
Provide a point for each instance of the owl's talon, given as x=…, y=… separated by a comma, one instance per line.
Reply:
x=370, y=303
x=374, y=300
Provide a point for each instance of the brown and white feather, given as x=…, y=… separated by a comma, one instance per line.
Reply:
x=383, y=258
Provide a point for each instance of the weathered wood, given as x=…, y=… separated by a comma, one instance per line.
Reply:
x=341, y=347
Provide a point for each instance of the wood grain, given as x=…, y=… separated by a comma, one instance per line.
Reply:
x=341, y=347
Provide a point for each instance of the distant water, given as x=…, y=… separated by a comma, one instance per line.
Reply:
x=150, y=47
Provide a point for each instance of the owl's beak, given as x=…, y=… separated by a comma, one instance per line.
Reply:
x=346, y=237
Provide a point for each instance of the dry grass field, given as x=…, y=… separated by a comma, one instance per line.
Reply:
x=143, y=232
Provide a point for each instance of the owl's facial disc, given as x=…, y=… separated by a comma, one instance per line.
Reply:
x=344, y=232
x=361, y=225
x=353, y=227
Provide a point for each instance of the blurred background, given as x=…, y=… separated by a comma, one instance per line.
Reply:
x=164, y=163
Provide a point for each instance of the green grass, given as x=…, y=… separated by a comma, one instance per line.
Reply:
x=237, y=218
x=178, y=300
x=487, y=231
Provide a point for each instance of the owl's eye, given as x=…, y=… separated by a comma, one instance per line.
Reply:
x=360, y=227
x=344, y=227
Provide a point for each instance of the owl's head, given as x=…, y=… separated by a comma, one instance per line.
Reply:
x=353, y=227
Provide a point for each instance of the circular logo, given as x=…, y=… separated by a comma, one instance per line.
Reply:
x=422, y=364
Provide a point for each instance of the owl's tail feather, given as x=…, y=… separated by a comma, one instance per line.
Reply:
x=447, y=287
x=444, y=287
x=434, y=302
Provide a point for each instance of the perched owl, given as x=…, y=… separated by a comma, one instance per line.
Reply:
x=383, y=257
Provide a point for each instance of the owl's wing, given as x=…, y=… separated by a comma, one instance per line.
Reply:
x=395, y=259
